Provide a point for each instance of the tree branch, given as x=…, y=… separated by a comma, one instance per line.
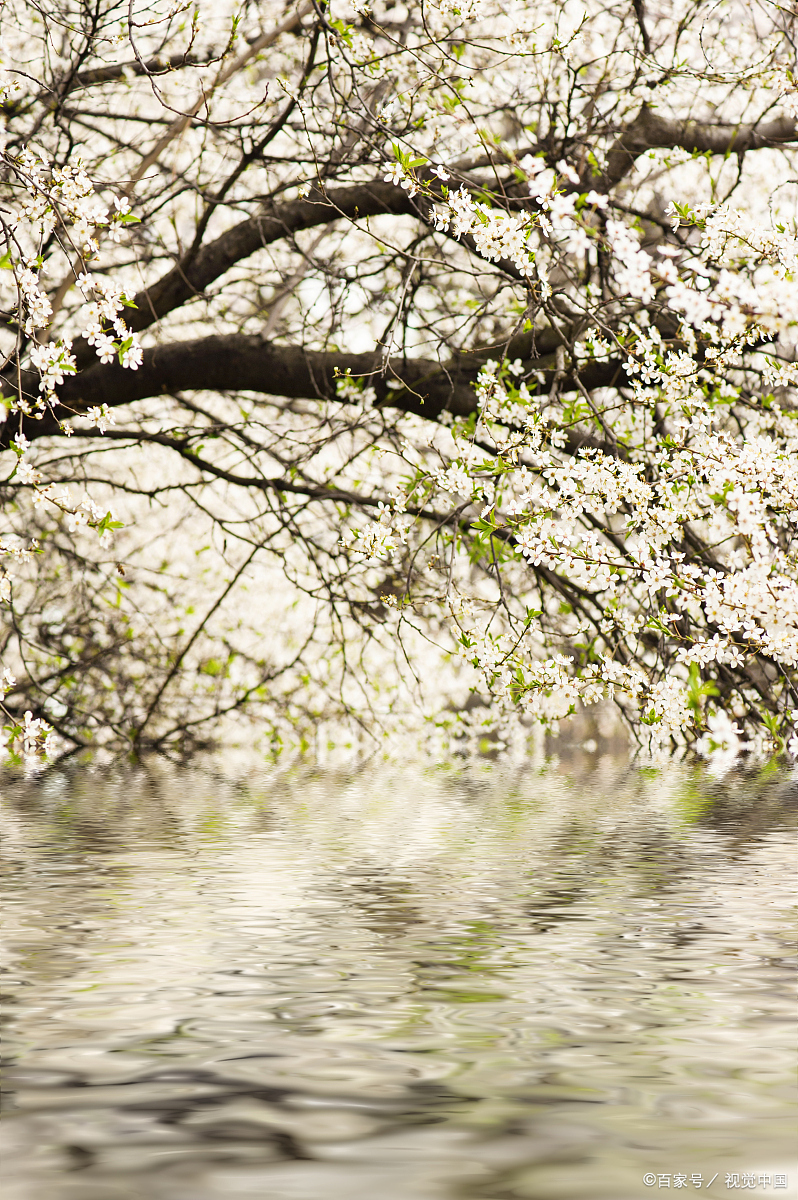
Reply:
x=650, y=131
x=109, y=74
x=196, y=272
x=243, y=363
x=192, y=275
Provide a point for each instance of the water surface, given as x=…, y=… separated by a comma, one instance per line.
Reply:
x=398, y=986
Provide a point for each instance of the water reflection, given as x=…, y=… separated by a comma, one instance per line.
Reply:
x=407, y=985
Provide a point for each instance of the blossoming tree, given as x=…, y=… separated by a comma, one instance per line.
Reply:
x=359, y=358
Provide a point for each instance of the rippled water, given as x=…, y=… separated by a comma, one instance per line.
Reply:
x=398, y=986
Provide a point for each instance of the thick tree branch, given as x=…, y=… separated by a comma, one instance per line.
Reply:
x=649, y=131
x=241, y=363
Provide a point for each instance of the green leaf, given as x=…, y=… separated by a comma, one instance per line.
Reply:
x=108, y=523
x=698, y=689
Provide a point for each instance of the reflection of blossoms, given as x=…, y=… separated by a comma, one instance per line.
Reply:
x=721, y=744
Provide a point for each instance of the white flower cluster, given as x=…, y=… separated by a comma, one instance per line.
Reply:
x=84, y=514
x=378, y=539
x=33, y=735
x=11, y=551
x=500, y=236
x=100, y=417
x=759, y=604
x=63, y=198
x=106, y=300
x=631, y=268
x=727, y=229
x=50, y=196
x=35, y=304
x=455, y=479
x=53, y=361
x=9, y=86
x=731, y=304
x=375, y=541
x=496, y=235
x=465, y=10
x=736, y=489
x=395, y=173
